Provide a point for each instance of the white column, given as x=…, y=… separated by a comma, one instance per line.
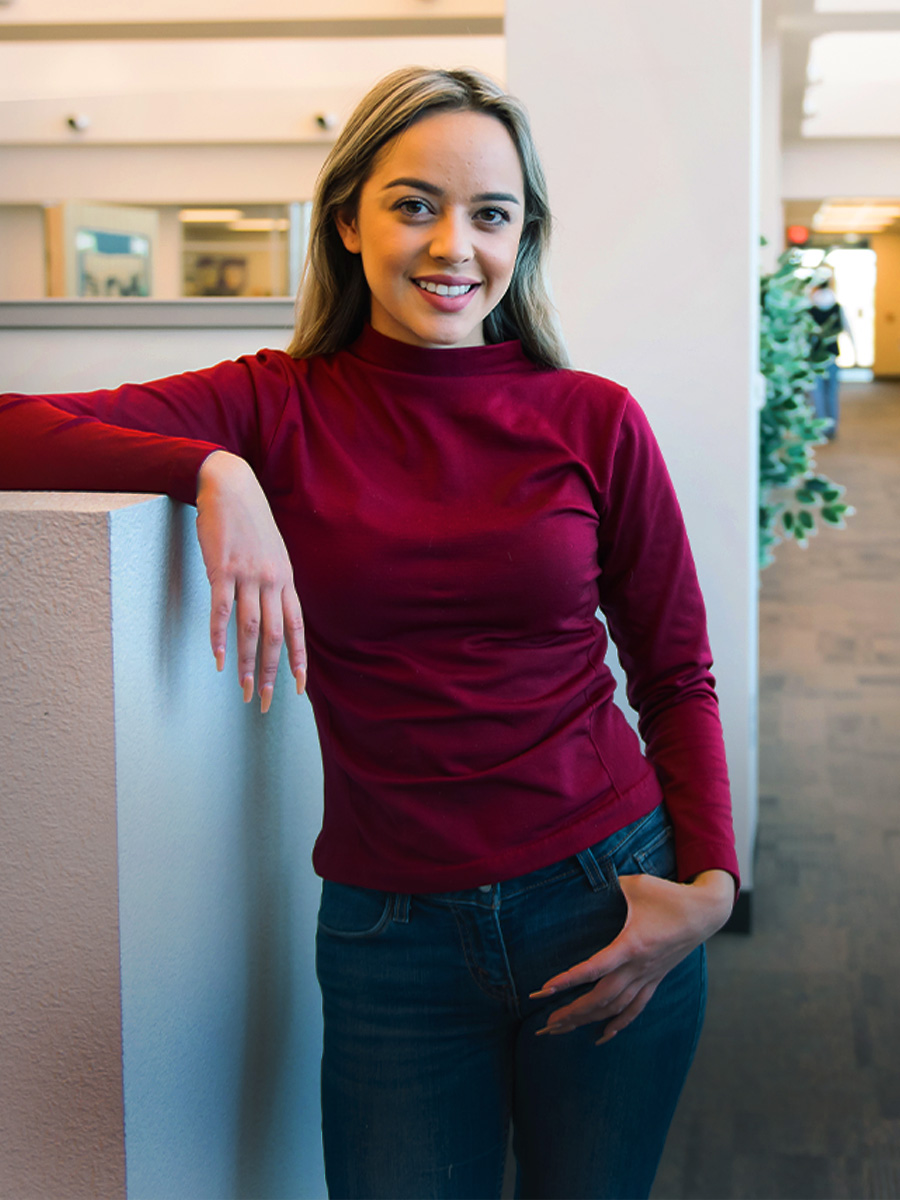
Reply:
x=771, y=205
x=161, y=1019
x=646, y=116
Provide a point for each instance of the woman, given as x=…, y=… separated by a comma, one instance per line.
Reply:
x=452, y=504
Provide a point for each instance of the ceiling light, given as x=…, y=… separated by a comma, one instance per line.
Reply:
x=258, y=224
x=846, y=217
x=857, y=6
x=209, y=216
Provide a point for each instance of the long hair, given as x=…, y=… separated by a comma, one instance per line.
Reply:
x=333, y=300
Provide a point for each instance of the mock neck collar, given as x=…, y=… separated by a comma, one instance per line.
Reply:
x=383, y=351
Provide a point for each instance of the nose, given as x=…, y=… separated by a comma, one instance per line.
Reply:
x=451, y=240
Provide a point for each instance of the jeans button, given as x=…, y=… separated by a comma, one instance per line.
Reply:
x=485, y=887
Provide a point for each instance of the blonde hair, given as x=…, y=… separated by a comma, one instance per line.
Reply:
x=333, y=300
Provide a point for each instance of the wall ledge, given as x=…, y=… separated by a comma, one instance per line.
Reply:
x=217, y=312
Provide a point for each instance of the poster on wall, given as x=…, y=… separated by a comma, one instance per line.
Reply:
x=100, y=250
x=111, y=264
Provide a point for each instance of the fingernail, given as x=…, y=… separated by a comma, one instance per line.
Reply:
x=266, y=692
x=607, y=1037
x=220, y=659
x=247, y=685
x=547, y=991
x=300, y=676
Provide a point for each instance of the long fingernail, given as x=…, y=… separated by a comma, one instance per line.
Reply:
x=300, y=676
x=557, y=1027
x=247, y=685
x=220, y=659
x=266, y=692
x=607, y=1037
x=545, y=991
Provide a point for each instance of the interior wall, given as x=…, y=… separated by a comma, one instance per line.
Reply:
x=887, y=304
x=61, y=1114
x=218, y=808
x=771, y=205
x=649, y=146
x=22, y=273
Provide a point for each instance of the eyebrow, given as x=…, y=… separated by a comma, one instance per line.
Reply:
x=422, y=185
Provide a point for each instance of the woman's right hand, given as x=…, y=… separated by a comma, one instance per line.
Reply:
x=248, y=569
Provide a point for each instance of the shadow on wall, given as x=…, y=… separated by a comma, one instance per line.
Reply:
x=219, y=807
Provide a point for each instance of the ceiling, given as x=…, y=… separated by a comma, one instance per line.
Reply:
x=851, y=47
x=840, y=62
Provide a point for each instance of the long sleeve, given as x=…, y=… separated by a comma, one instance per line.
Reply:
x=651, y=599
x=149, y=437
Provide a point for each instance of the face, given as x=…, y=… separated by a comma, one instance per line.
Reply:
x=438, y=226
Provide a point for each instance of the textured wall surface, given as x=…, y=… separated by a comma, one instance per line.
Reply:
x=157, y=903
x=61, y=1125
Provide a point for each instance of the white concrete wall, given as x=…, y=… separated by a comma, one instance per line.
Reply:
x=218, y=808
x=648, y=132
x=771, y=205
x=61, y=1116
x=157, y=902
x=157, y=898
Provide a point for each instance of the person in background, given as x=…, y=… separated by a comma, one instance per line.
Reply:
x=831, y=323
x=515, y=893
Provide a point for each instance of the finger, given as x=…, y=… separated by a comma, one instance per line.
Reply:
x=294, y=636
x=270, y=642
x=221, y=604
x=607, y=999
x=248, y=622
x=603, y=963
x=628, y=1014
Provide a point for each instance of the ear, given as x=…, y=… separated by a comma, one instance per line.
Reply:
x=348, y=228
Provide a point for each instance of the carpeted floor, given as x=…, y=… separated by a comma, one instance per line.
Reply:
x=795, y=1093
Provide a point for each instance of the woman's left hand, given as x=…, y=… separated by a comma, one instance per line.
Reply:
x=666, y=921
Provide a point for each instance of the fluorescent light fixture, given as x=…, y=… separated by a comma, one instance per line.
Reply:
x=848, y=216
x=857, y=6
x=259, y=224
x=209, y=216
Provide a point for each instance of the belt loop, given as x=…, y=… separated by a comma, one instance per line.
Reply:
x=594, y=871
x=401, y=908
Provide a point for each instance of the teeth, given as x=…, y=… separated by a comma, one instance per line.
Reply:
x=443, y=289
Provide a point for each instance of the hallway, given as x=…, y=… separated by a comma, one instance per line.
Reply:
x=796, y=1090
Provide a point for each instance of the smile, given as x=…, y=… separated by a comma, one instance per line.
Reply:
x=444, y=289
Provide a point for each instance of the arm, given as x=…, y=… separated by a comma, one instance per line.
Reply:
x=170, y=436
x=651, y=599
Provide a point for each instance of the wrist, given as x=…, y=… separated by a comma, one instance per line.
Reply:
x=219, y=469
x=716, y=889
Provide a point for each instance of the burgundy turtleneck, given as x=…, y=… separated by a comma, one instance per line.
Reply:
x=455, y=517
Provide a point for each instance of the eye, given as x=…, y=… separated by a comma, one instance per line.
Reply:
x=492, y=216
x=412, y=206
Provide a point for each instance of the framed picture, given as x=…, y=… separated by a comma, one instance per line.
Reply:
x=100, y=250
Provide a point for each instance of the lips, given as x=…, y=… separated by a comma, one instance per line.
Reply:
x=446, y=294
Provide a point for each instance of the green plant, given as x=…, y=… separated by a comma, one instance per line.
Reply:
x=792, y=494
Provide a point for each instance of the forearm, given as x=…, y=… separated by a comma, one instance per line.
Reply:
x=43, y=447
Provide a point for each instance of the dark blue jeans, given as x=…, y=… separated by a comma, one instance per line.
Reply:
x=430, y=1049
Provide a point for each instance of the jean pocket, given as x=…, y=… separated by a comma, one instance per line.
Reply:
x=353, y=912
x=650, y=850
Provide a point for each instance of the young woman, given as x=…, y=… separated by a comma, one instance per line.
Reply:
x=515, y=897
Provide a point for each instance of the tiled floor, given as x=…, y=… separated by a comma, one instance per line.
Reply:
x=796, y=1090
